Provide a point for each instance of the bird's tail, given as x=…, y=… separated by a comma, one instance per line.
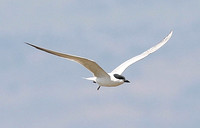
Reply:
x=90, y=78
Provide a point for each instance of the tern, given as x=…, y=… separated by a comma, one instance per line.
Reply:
x=114, y=78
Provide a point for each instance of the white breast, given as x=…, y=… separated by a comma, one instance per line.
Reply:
x=109, y=82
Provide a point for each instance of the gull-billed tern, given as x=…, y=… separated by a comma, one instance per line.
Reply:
x=100, y=76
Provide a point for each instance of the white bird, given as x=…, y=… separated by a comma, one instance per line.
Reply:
x=100, y=76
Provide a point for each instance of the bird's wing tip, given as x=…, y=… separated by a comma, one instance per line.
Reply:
x=28, y=43
x=171, y=32
x=169, y=36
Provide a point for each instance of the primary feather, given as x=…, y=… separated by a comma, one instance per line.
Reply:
x=89, y=64
x=120, y=69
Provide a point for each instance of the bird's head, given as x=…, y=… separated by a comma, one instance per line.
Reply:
x=120, y=77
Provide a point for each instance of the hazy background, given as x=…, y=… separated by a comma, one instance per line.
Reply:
x=39, y=90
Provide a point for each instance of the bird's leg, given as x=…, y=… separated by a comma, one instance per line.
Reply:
x=98, y=88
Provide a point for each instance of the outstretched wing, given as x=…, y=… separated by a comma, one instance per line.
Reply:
x=89, y=64
x=120, y=69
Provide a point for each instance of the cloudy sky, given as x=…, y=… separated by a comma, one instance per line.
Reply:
x=39, y=90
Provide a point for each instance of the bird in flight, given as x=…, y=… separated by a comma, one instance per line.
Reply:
x=114, y=78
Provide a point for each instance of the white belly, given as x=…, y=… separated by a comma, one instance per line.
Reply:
x=108, y=82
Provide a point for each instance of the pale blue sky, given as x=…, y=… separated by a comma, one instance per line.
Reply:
x=39, y=90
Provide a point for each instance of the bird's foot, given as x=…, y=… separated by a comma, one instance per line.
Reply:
x=98, y=88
